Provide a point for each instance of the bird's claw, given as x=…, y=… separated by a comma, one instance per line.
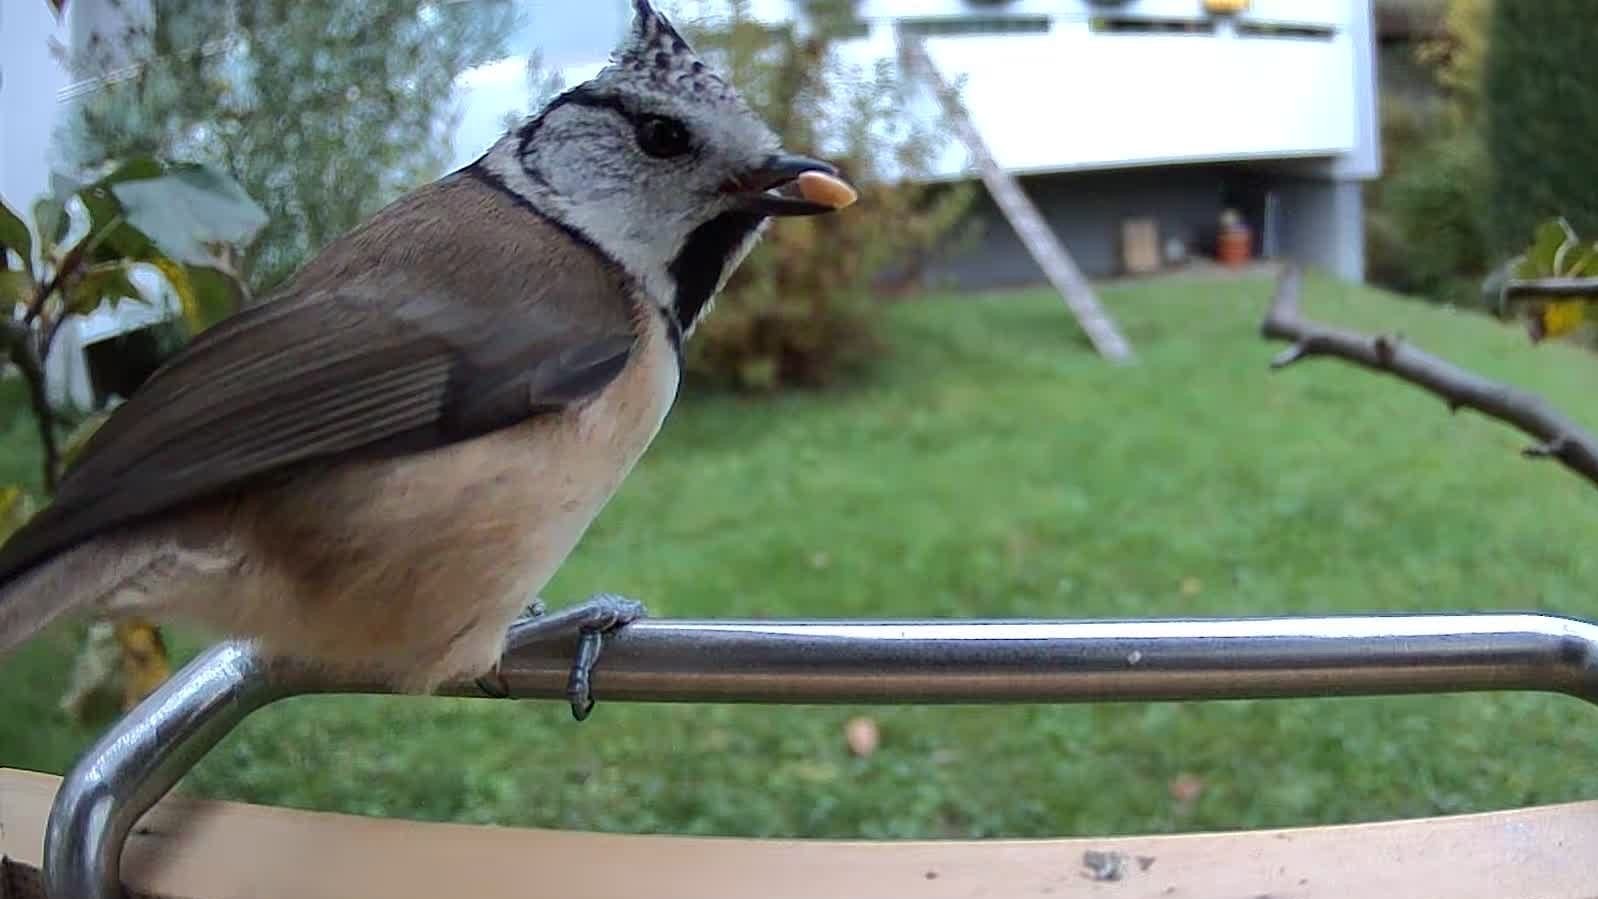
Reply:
x=593, y=618
x=579, y=688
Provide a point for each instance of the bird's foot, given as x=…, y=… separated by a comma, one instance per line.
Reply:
x=601, y=614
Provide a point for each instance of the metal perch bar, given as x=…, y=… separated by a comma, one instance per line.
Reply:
x=813, y=662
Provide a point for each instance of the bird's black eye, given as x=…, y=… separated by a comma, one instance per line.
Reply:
x=663, y=138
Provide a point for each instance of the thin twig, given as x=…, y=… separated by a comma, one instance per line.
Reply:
x=1551, y=288
x=70, y=263
x=67, y=268
x=50, y=332
x=25, y=357
x=1557, y=436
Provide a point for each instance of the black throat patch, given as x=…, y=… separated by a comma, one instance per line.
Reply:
x=704, y=256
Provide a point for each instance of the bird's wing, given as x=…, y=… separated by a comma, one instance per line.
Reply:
x=322, y=375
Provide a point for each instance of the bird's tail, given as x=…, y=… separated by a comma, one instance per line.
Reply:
x=70, y=582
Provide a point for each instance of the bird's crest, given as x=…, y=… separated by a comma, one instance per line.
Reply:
x=656, y=57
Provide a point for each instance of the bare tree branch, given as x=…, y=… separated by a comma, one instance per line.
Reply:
x=1557, y=436
x=1551, y=288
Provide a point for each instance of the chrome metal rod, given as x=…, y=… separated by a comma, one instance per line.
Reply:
x=808, y=662
x=962, y=661
x=143, y=755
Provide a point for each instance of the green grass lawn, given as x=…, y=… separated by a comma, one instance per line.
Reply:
x=994, y=467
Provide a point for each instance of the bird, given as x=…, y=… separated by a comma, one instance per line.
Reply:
x=377, y=468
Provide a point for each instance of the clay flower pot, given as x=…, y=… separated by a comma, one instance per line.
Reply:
x=1234, y=246
x=1234, y=242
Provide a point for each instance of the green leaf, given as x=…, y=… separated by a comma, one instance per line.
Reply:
x=131, y=170
x=177, y=275
x=105, y=281
x=111, y=238
x=16, y=507
x=1542, y=257
x=121, y=241
x=115, y=237
x=189, y=208
x=1587, y=267
x=217, y=295
x=15, y=288
x=1575, y=260
x=190, y=205
x=206, y=295
x=50, y=217
x=14, y=236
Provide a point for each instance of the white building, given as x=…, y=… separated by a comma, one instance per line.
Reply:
x=1108, y=109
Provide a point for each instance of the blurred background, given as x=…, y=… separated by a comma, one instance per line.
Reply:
x=892, y=412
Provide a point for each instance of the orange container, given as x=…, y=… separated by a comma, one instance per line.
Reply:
x=1234, y=246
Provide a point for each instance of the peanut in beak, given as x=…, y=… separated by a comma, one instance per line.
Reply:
x=827, y=190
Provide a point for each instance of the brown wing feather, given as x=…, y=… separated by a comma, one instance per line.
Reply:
x=330, y=372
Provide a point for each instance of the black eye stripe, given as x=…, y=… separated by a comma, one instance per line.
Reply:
x=600, y=101
x=660, y=136
x=607, y=101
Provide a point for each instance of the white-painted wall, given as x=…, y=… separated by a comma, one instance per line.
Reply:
x=1073, y=100
x=1314, y=12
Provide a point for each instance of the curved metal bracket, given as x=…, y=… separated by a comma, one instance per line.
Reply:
x=812, y=662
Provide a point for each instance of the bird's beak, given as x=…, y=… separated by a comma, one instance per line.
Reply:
x=791, y=185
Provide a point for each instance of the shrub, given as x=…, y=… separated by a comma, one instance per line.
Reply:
x=1409, y=126
x=1540, y=102
x=1425, y=221
x=802, y=310
x=1458, y=56
x=1435, y=209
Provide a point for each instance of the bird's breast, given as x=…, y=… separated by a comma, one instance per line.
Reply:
x=425, y=559
x=615, y=427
